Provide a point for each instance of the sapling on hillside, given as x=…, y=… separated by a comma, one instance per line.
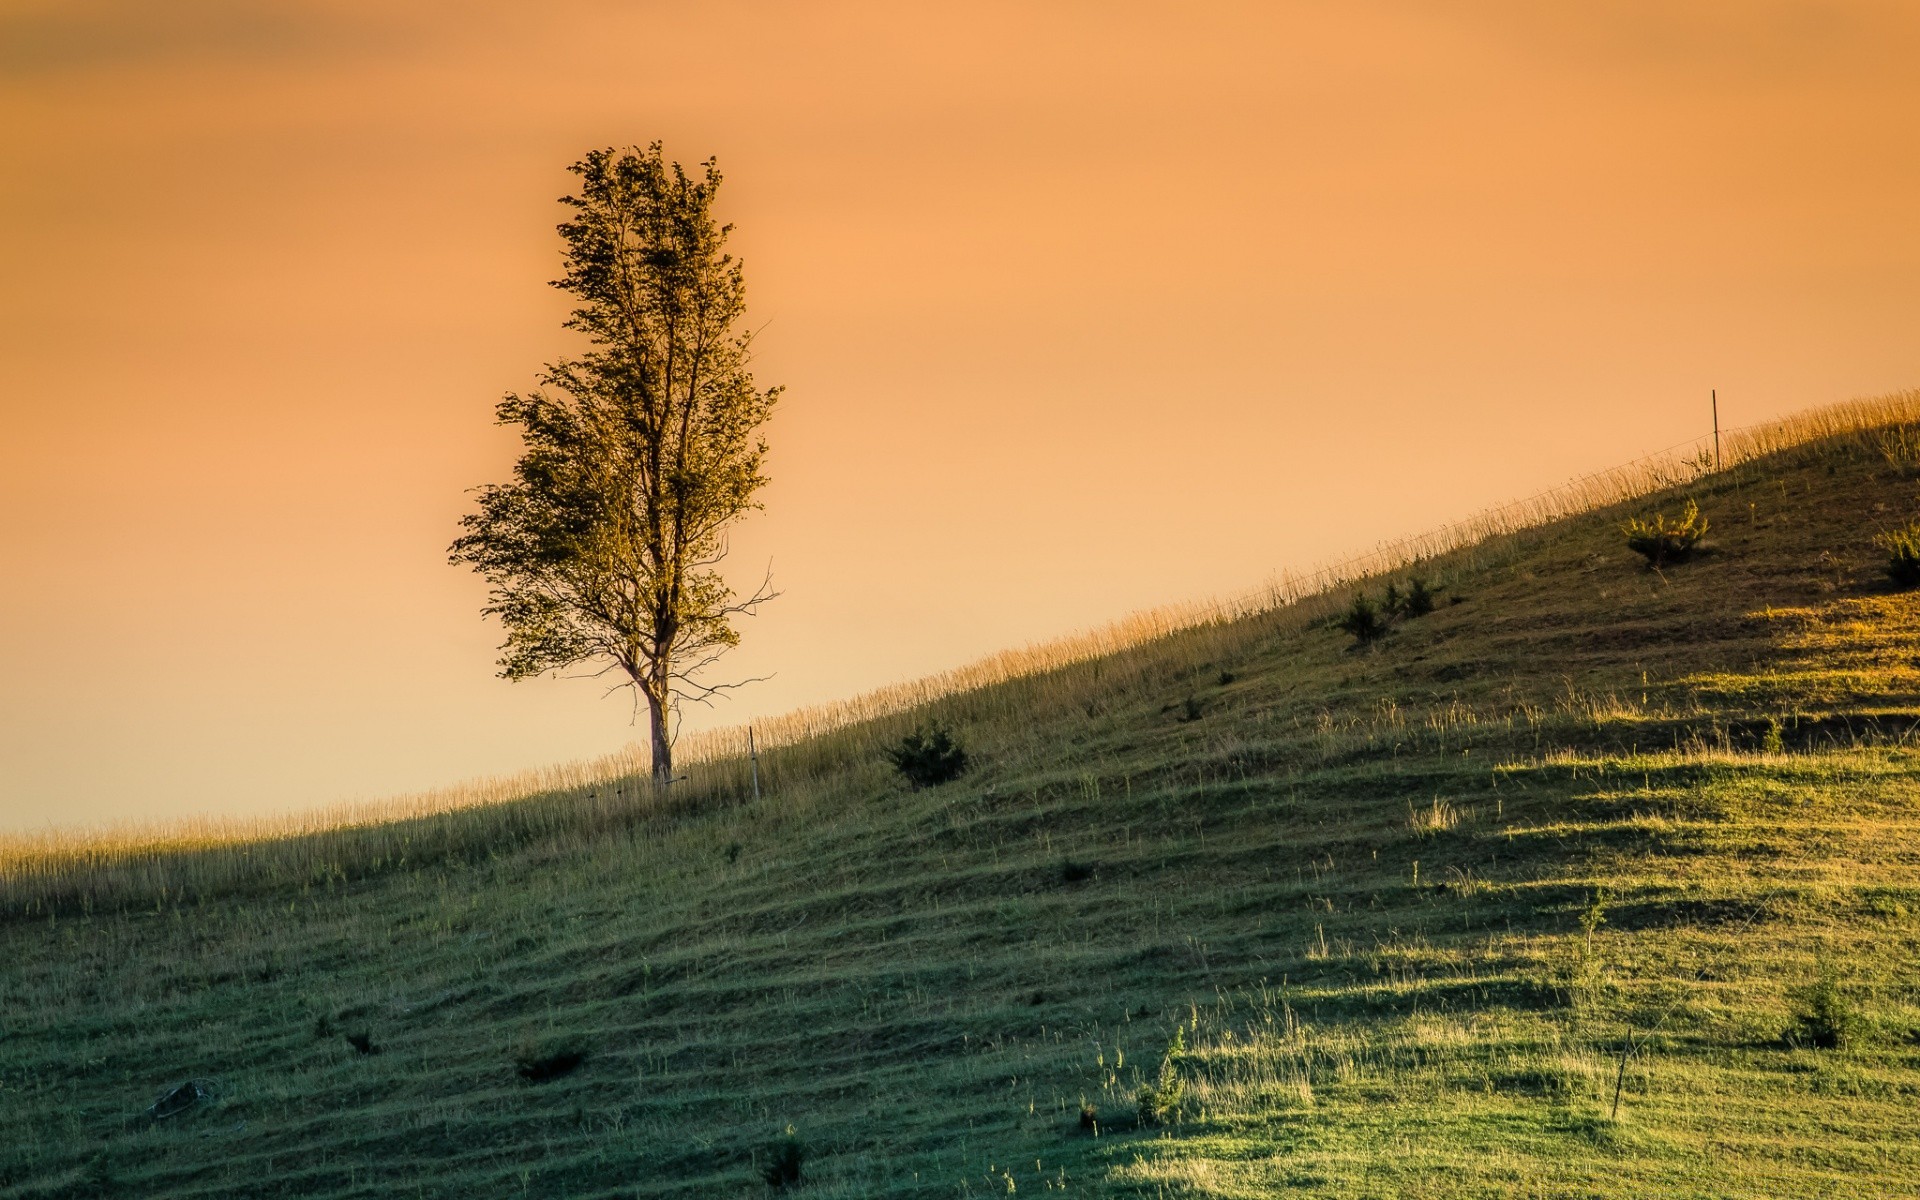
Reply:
x=1362, y=620
x=1661, y=541
x=929, y=757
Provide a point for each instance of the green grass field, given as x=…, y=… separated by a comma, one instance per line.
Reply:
x=1403, y=907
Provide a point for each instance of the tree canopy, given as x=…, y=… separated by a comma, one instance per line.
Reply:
x=637, y=456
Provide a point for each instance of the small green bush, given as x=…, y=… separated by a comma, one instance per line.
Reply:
x=1826, y=1019
x=1362, y=620
x=1159, y=1102
x=1903, y=554
x=1660, y=541
x=929, y=757
x=1418, y=599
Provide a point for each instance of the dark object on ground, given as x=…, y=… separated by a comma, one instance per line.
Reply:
x=185, y=1098
x=1076, y=872
x=928, y=757
x=1661, y=541
x=1089, y=1118
x=551, y=1066
x=784, y=1170
x=363, y=1042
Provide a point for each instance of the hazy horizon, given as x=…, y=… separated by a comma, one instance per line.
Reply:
x=1080, y=310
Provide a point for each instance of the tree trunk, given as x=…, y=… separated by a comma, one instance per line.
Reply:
x=662, y=748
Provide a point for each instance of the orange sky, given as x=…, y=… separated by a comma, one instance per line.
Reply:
x=1081, y=307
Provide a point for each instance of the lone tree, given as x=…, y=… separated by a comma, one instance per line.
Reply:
x=637, y=456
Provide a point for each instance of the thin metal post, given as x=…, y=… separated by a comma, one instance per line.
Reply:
x=754, y=756
x=1716, y=428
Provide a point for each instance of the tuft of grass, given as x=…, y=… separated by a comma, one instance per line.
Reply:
x=1158, y=1102
x=1661, y=541
x=1900, y=446
x=1437, y=816
x=1903, y=554
x=1826, y=1018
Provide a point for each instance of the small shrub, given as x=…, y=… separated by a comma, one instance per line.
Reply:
x=928, y=757
x=1660, y=541
x=1362, y=620
x=1418, y=601
x=1159, y=1102
x=1227, y=677
x=1190, y=711
x=783, y=1171
x=1826, y=1019
x=1903, y=554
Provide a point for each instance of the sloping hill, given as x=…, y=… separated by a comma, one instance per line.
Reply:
x=1358, y=921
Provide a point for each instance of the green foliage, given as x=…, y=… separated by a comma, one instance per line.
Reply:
x=1362, y=620
x=1903, y=554
x=1593, y=915
x=1774, y=741
x=928, y=757
x=637, y=456
x=1418, y=601
x=1661, y=541
x=1825, y=1018
x=1158, y=1102
x=1367, y=621
x=785, y=1162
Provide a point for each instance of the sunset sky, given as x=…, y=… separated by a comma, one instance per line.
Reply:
x=1080, y=308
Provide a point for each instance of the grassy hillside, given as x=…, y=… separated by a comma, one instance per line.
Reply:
x=1371, y=921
